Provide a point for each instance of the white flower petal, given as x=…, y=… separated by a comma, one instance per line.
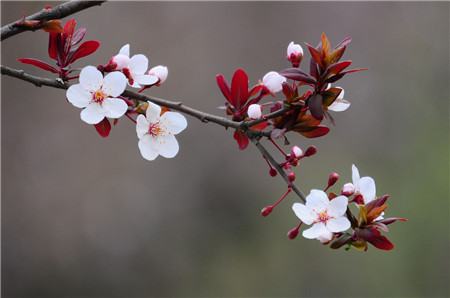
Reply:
x=142, y=126
x=294, y=48
x=91, y=78
x=338, y=224
x=316, y=231
x=254, y=111
x=78, y=96
x=355, y=175
x=303, y=213
x=125, y=50
x=159, y=71
x=147, y=148
x=167, y=146
x=138, y=64
x=92, y=114
x=143, y=79
x=114, y=107
x=338, y=206
x=114, y=83
x=367, y=189
x=153, y=112
x=339, y=105
x=325, y=237
x=121, y=61
x=273, y=81
x=173, y=122
x=341, y=94
x=317, y=200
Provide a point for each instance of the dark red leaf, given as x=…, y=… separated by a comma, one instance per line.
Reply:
x=241, y=138
x=374, y=237
x=313, y=71
x=315, y=106
x=316, y=132
x=388, y=221
x=85, y=49
x=297, y=75
x=344, y=43
x=223, y=86
x=239, y=88
x=340, y=75
x=103, y=128
x=339, y=242
x=315, y=54
x=53, y=46
x=260, y=126
x=38, y=63
x=338, y=67
x=69, y=27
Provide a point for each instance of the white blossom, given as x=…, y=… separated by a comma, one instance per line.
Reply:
x=97, y=95
x=325, y=216
x=157, y=132
x=273, y=81
x=294, y=49
x=339, y=104
x=297, y=151
x=254, y=111
x=161, y=72
x=134, y=68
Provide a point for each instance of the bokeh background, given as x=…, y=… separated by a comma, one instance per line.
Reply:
x=84, y=216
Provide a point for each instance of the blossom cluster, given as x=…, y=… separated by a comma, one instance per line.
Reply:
x=299, y=102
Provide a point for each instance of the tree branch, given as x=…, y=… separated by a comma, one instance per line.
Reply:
x=277, y=167
x=58, y=12
x=177, y=106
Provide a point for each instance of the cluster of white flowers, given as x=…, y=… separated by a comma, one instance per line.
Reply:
x=99, y=97
x=328, y=216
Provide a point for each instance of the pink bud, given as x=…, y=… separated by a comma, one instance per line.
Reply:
x=161, y=72
x=254, y=111
x=311, y=150
x=332, y=179
x=266, y=211
x=291, y=176
x=297, y=151
x=273, y=81
x=348, y=189
x=294, y=54
x=273, y=172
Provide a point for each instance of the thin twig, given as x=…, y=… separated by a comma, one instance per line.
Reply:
x=57, y=12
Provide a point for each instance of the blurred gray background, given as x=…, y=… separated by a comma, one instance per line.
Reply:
x=84, y=216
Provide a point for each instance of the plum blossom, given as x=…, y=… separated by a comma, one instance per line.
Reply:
x=364, y=186
x=325, y=216
x=161, y=72
x=134, y=68
x=339, y=104
x=294, y=53
x=157, y=132
x=254, y=111
x=273, y=81
x=97, y=95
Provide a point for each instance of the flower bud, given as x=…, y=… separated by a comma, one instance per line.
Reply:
x=297, y=152
x=266, y=211
x=348, y=189
x=254, y=111
x=273, y=81
x=273, y=172
x=292, y=234
x=294, y=54
x=291, y=177
x=311, y=150
x=332, y=179
x=121, y=61
x=161, y=72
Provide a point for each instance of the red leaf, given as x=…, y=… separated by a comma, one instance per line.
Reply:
x=379, y=241
x=53, y=45
x=315, y=106
x=344, y=43
x=78, y=36
x=338, y=67
x=103, y=128
x=38, y=63
x=260, y=126
x=69, y=27
x=85, y=49
x=241, y=138
x=388, y=221
x=297, y=75
x=223, y=86
x=239, y=88
x=319, y=131
x=315, y=54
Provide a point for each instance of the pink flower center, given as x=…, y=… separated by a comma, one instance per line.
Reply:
x=98, y=96
x=323, y=217
x=155, y=129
